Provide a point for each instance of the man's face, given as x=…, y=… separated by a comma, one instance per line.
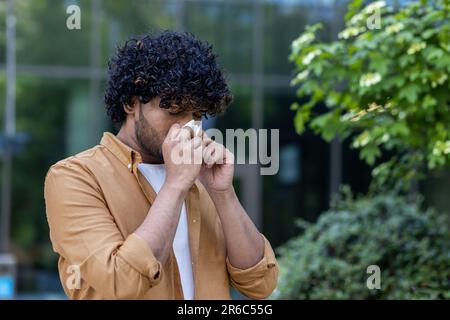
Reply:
x=152, y=124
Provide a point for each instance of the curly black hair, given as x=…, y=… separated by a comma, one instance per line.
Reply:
x=174, y=66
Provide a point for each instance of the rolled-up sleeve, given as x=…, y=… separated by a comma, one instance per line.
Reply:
x=83, y=232
x=258, y=281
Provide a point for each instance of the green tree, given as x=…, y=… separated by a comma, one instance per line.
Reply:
x=385, y=88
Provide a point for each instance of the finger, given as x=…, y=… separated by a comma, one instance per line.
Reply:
x=218, y=155
x=191, y=144
x=191, y=152
x=207, y=152
x=198, y=148
x=173, y=131
x=228, y=157
x=196, y=142
x=206, y=145
x=185, y=133
x=203, y=134
x=215, y=156
x=206, y=140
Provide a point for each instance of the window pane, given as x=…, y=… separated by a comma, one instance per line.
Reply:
x=227, y=26
x=284, y=23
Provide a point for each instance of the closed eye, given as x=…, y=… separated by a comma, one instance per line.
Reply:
x=176, y=113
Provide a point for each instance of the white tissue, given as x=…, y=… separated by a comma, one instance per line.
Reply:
x=195, y=125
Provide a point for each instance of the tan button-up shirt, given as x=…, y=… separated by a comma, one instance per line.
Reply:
x=95, y=201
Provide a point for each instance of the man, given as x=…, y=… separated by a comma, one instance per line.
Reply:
x=128, y=219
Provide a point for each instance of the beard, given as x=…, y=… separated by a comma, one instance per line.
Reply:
x=148, y=138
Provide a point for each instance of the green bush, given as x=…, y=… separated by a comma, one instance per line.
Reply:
x=329, y=259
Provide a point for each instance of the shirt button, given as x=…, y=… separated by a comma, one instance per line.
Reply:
x=194, y=220
x=129, y=166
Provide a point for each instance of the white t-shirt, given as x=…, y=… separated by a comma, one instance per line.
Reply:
x=156, y=175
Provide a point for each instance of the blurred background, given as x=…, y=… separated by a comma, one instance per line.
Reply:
x=56, y=79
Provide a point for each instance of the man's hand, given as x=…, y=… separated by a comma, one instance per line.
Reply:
x=182, y=157
x=160, y=225
x=245, y=245
x=217, y=170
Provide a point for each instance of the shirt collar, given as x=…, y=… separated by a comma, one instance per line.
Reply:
x=127, y=156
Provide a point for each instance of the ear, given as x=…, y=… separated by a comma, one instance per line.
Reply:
x=132, y=110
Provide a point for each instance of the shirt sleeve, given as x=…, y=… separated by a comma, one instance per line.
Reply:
x=83, y=231
x=259, y=281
